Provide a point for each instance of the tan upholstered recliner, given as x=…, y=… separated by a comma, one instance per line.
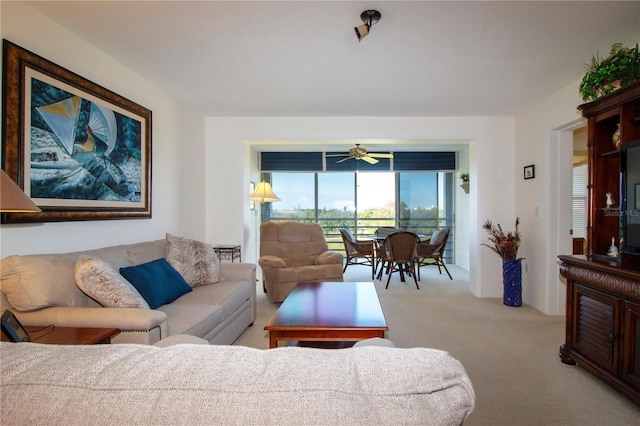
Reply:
x=293, y=252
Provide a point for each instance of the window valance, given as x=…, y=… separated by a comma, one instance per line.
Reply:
x=317, y=162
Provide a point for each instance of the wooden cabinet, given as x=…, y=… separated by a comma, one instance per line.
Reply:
x=578, y=245
x=603, y=293
x=619, y=110
x=597, y=322
x=631, y=343
x=603, y=321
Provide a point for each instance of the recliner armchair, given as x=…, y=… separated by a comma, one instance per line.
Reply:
x=293, y=252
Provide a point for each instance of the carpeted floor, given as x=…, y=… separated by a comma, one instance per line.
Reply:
x=510, y=354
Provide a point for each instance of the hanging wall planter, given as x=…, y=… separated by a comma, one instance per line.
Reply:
x=465, y=182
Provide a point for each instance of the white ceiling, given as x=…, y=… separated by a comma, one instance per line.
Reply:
x=302, y=58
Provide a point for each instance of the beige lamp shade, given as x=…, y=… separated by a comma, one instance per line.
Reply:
x=12, y=198
x=263, y=194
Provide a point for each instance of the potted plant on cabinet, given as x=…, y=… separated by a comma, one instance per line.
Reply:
x=465, y=182
x=604, y=75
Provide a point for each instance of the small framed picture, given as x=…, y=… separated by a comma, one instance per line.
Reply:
x=529, y=172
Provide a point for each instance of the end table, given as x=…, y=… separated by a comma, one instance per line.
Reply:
x=70, y=335
x=229, y=252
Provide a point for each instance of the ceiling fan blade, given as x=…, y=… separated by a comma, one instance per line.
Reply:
x=337, y=155
x=379, y=155
x=344, y=159
x=369, y=159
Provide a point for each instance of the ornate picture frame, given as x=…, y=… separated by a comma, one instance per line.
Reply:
x=79, y=150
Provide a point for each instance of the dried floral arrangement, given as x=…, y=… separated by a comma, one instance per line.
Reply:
x=505, y=245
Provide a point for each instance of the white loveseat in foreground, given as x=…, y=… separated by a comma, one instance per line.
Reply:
x=41, y=290
x=189, y=384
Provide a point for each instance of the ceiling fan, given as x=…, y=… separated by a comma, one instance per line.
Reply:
x=361, y=154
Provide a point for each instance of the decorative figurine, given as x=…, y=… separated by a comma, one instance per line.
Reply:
x=613, y=250
x=616, y=138
x=609, y=201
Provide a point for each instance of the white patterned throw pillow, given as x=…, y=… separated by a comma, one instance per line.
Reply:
x=194, y=260
x=102, y=283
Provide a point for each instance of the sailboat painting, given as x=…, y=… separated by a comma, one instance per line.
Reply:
x=79, y=150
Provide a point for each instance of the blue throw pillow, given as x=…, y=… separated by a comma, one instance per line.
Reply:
x=156, y=281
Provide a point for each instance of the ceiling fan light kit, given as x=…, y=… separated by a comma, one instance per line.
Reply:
x=369, y=17
x=358, y=153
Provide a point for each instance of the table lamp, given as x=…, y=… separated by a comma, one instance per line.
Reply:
x=263, y=194
x=12, y=198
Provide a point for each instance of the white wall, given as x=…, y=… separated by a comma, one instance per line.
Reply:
x=229, y=171
x=203, y=192
x=463, y=212
x=544, y=203
x=177, y=146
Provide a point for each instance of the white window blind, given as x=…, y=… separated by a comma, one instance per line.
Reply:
x=580, y=201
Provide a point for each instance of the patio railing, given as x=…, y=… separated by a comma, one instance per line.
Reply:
x=365, y=227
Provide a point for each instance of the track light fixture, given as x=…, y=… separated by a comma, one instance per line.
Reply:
x=369, y=17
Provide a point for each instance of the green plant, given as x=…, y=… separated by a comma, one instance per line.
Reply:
x=464, y=177
x=604, y=75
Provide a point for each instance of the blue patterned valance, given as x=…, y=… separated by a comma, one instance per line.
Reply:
x=317, y=162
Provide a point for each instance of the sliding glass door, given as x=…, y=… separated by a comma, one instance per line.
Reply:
x=376, y=201
x=363, y=201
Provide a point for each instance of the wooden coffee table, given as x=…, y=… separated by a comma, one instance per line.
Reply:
x=328, y=312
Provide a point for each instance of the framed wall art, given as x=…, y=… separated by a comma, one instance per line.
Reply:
x=530, y=172
x=79, y=150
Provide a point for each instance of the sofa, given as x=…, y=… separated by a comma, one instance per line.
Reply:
x=293, y=252
x=43, y=289
x=187, y=384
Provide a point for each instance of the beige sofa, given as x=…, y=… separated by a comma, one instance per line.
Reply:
x=41, y=290
x=230, y=385
x=293, y=252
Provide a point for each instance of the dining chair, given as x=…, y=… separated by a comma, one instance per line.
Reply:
x=432, y=252
x=359, y=252
x=379, y=236
x=399, y=255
